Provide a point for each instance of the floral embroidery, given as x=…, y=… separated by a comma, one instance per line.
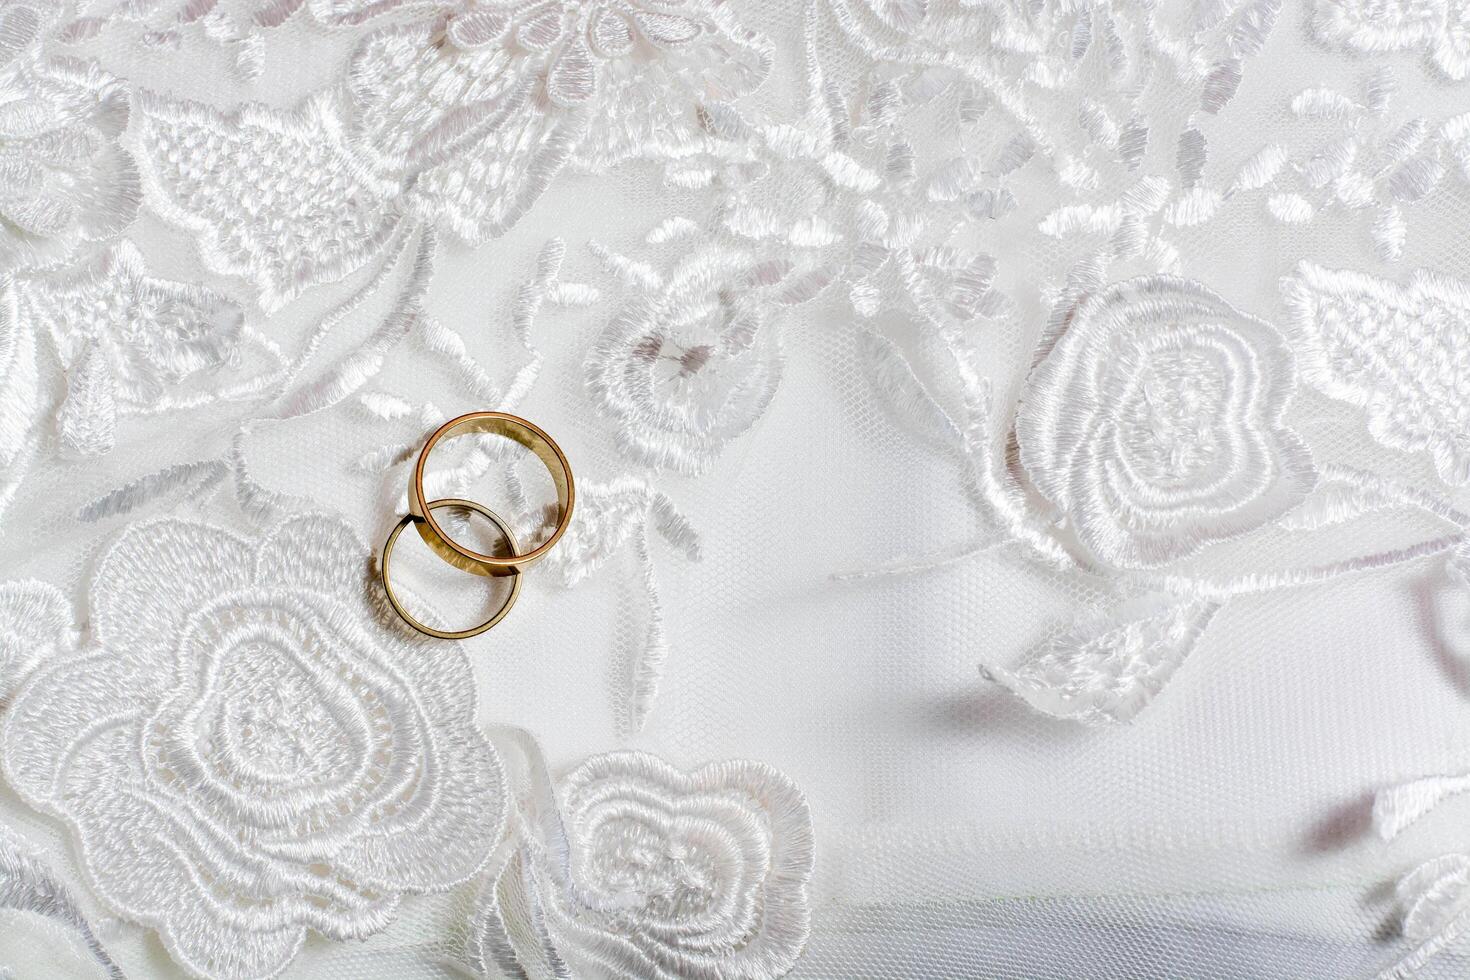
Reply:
x=1154, y=425
x=661, y=874
x=166, y=23
x=41, y=924
x=67, y=179
x=690, y=363
x=1396, y=351
x=1440, y=27
x=22, y=25
x=284, y=225
x=1108, y=671
x=702, y=55
x=458, y=126
x=185, y=724
x=583, y=39
x=463, y=121
x=609, y=517
x=480, y=124
x=841, y=199
x=35, y=623
x=244, y=753
x=132, y=344
x=1372, y=163
x=19, y=393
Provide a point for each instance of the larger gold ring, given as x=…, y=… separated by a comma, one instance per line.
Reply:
x=510, y=540
x=528, y=435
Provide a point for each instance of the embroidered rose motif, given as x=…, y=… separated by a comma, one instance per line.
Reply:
x=690, y=363
x=1155, y=424
x=243, y=754
x=67, y=180
x=665, y=875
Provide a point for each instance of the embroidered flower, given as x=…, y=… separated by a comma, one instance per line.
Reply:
x=477, y=120
x=462, y=118
x=580, y=37
x=244, y=753
x=1155, y=423
x=664, y=875
x=132, y=344
x=42, y=932
x=66, y=178
x=641, y=64
x=690, y=363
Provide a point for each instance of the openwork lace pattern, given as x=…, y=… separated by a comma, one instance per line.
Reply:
x=244, y=754
x=1006, y=208
x=631, y=867
x=1154, y=424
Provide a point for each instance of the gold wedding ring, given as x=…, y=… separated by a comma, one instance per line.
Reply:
x=528, y=435
x=421, y=514
x=510, y=540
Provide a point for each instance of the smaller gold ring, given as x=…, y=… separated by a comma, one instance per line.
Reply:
x=519, y=430
x=510, y=539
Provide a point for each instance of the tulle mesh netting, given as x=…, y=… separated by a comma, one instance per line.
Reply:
x=1036, y=431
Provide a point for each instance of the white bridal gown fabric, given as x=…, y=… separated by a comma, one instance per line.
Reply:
x=1023, y=466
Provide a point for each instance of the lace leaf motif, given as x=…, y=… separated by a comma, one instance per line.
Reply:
x=271, y=195
x=1397, y=351
x=1110, y=669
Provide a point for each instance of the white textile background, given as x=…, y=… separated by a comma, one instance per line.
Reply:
x=1033, y=433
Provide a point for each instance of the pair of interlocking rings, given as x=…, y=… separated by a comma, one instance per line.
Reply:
x=421, y=515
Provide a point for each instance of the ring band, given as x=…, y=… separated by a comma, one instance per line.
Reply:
x=515, y=588
x=528, y=435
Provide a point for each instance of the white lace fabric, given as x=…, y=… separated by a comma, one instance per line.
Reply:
x=1022, y=454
